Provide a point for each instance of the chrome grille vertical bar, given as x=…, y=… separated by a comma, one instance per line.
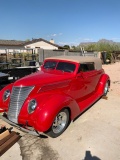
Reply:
x=17, y=98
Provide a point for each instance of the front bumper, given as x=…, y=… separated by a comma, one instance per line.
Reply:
x=26, y=129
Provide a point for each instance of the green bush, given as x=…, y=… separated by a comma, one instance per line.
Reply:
x=108, y=56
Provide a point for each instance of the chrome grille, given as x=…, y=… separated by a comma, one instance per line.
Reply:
x=17, y=98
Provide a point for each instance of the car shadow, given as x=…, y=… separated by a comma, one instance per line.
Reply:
x=88, y=156
x=42, y=136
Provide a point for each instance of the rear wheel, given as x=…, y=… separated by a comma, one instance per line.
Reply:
x=106, y=88
x=60, y=123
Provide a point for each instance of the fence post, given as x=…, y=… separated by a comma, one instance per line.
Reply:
x=65, y=52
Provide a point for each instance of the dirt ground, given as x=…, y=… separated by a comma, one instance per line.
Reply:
x=113, y=70
x=95, y=135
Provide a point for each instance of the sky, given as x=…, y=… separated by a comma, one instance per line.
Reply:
x=67, y=22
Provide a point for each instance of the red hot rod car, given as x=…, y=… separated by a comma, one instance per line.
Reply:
x=49, y=99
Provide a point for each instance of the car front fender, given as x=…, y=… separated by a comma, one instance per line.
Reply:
x=46, y=115
x=4, y=104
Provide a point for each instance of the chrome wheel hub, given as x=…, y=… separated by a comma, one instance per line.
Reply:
x=60, y=122
x=106, y=88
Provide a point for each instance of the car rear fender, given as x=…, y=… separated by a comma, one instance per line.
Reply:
x=101, y=84
x=46, y=115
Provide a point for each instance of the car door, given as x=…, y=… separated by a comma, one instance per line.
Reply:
x=78, y=87
x=85, y=82
x=91, y=77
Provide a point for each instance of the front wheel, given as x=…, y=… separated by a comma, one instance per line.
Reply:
x=60, y=123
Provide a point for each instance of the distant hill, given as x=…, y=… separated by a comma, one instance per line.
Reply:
x=101, y=45
x=100, y=41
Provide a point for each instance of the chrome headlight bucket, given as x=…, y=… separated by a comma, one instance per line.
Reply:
x=6, y=95
x=32, y=106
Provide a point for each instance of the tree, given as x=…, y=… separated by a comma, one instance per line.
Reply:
x=73, y=47
x=66, y=47
x=27, y=40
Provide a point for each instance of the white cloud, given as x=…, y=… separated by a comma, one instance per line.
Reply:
x=54, y=35
x=68, y=43
x=76, y=42
x=62, y=43
x=85, y=39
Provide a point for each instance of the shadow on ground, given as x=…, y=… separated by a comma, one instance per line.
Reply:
x=88, y=156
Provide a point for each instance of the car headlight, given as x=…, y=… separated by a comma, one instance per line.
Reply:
x=6, y=95
x=32, y=105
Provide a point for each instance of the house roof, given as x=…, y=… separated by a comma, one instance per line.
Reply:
x=10, y=43
x=24, y=43
x=40, y=39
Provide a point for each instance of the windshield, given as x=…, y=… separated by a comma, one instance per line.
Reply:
x=62, y=66
x=66, y=66
x=50, y=64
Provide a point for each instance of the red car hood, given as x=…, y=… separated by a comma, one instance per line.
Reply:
x=43, y=77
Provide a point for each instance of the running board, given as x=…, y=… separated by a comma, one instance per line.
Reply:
x=88, y=102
